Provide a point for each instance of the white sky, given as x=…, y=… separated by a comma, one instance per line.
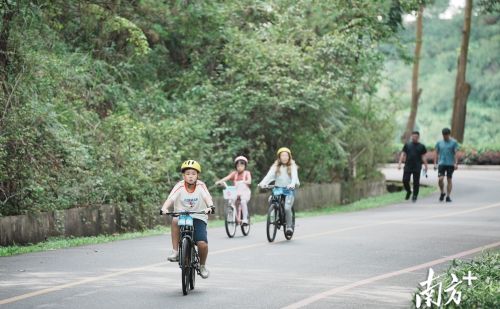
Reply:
x=454, y=7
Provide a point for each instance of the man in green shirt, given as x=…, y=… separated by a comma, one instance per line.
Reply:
x=447, y=161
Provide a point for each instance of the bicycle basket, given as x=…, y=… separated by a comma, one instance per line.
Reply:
x=229, y=193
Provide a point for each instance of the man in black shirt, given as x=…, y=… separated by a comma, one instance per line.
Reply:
x=413, y=154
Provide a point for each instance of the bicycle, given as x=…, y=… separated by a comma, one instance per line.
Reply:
x=276, y=217
x=233, y=213
x=189, y=260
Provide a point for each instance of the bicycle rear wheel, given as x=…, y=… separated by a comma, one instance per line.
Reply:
x=185, y=265
x=289, y=236
x=230, y=221
x=272, y=224
x=245, y=228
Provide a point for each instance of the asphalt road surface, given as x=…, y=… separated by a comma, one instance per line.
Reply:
x=368, y=259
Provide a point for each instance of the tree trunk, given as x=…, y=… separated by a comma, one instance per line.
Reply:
x=415, y=91
x=462, y=88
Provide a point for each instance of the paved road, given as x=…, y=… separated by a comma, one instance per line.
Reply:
x=369, y=259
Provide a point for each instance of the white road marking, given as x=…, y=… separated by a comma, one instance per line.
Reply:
x=328, y=293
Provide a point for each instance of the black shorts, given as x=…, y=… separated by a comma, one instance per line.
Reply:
x=446, y=170
x=200, y=230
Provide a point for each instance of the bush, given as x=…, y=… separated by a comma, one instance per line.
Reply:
x=106, y=101
x=484, y=292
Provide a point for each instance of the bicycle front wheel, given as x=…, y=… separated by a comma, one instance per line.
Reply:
x=230, y=221
x=272, y=224
x=185, y=265
x=192, y=279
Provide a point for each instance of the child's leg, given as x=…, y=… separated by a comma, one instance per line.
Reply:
x=200, y=236
x=244, y=208
x=175, y=233
x=202, y=251
x=236, y=210
x=288, y=210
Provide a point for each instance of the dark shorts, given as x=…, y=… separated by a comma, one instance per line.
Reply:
x=446, y=170
x=200, y=230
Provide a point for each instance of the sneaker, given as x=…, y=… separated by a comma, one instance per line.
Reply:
x=289, y=231
x=408, y=194
x=414, y=199
x=244, y=222
x=448, y=199
x=174, y=257
x=441, y=197
x=204, y=273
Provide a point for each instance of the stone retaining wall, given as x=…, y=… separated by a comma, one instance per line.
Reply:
x=106, y=219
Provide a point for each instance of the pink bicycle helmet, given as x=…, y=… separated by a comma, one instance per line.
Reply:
x=241, y=158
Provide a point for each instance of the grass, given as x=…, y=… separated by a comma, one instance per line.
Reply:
x=367, y=203
x=66, y=242
x=482, y=293
x=55, y=243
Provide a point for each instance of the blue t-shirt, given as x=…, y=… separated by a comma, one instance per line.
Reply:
x=447, y=151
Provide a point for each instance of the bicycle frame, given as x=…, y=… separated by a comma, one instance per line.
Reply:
x=276, y=215
x=236, y=206
x=278, y=197
x=189, y=259
x=187, y=231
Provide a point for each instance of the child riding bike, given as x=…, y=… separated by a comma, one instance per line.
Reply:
x=242, y=180
x=191, y=194
x=284, y=174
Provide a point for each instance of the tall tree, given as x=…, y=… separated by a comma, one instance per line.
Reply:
x=415, y=91
x=462, y=88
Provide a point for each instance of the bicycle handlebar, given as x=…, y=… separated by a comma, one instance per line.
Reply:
x=268, y=187
x=273, y=186
x=175, y=214
x=223, y=184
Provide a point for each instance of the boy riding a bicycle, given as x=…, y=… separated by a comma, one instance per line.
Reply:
x=284, y=174
x=191, y=194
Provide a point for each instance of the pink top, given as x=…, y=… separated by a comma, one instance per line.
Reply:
x=242, y=189
x=235, y=176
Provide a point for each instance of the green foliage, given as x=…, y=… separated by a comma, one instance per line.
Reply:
x=103, y=101
x=489, y=6
x=441, y=42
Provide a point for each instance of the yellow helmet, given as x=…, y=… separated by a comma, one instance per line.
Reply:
x=283, y=149
x=191, y=164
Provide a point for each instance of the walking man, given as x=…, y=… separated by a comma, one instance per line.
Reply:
x=447, y=161
x=413, y=154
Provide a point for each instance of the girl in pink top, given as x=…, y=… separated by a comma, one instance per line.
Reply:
x=242, y=180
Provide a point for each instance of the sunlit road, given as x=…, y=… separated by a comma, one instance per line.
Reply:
x=368, y=259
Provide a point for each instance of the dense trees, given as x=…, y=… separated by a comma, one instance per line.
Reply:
x=438, y=67
x=102, y=100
